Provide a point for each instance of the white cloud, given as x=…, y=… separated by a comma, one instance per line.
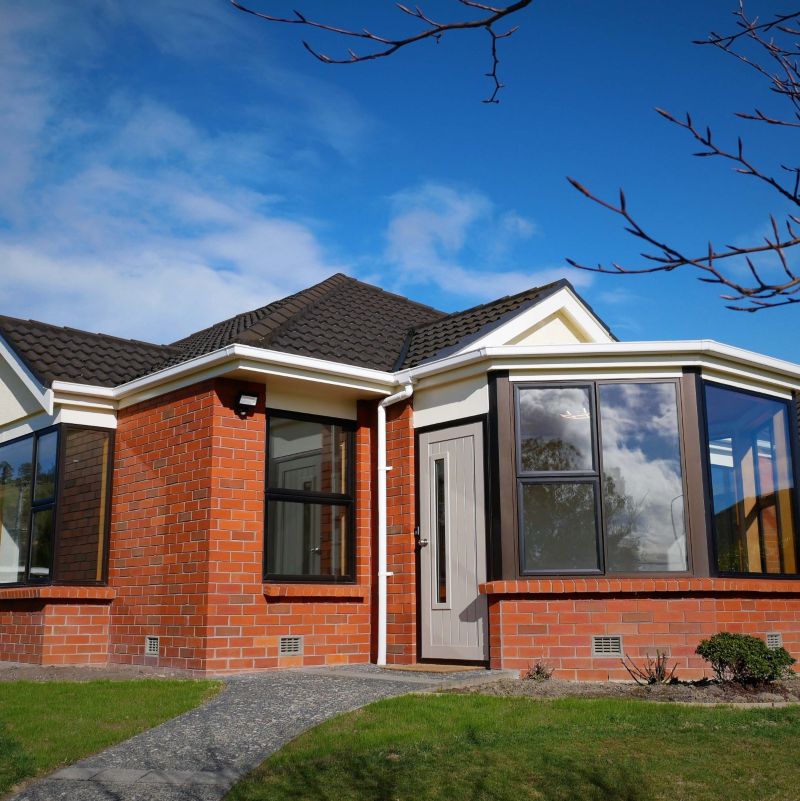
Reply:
x=147, y=224
x=442, y=236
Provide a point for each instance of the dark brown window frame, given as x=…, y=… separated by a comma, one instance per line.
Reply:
x=312, y=497
x=53, y=503
x=793, y=413
x=595, y=475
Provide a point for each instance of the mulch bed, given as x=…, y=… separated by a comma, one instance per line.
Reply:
x=699, y=692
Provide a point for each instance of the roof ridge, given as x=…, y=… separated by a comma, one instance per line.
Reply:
x=336, y=277
x=267, y=326
x=543, y=288
x=83, y=331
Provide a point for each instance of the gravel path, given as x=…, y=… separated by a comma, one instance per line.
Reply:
x=199, y=755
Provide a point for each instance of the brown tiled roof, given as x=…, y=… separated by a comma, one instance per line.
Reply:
x=67, y=354
x=340, y=319
x=455, y=331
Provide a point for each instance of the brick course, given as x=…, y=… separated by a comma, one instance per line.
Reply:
x=554, y=620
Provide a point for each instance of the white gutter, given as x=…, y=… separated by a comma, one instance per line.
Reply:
x=406, y=392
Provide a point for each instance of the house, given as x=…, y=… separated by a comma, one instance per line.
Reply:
x=345, y=475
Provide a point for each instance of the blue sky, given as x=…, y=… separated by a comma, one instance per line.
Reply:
x=168, y=163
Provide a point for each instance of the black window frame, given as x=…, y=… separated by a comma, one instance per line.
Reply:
x=347, y=500
x=53, y=503
x=593, y=476
x=793, y=429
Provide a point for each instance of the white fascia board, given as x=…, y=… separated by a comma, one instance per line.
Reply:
x=43, y=395
x=714, y=356
x=223, y=361
x=565, y=301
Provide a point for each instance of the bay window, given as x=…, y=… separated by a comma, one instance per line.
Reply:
x=54, y=497
x=600, y=479
x=309, y=499
x=752, y=482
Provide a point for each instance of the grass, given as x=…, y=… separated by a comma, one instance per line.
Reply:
x=475, y=747
x=45, y=725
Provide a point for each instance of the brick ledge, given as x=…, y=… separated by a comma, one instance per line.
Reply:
x=313, y=592
x=611, y=586
x=58, y=593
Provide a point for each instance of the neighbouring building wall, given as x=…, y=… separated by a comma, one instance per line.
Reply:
x=554, y=620
x=401, y=647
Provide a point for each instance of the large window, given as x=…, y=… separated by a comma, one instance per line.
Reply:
x=599, y=479
x=752, y=482
x=309, y=499
x=53, y=506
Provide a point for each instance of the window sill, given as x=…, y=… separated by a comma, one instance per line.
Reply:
x=611, y=586
x=313, y=592
x=53, y=592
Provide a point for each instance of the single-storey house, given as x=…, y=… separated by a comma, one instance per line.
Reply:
x=345, y=476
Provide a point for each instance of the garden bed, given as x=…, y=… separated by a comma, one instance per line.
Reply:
x=698, y=692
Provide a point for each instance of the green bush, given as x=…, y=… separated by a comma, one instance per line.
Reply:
x=744, y=659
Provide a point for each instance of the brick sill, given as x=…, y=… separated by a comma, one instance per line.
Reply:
x=314, y=592
x=611, y=586
x=58, y=593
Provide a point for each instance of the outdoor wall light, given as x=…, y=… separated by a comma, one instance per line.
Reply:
x=246, y=403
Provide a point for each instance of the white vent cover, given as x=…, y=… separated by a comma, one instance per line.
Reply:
x=610, y=645
x=774, y=640
x=151, y=646
x=290, y=646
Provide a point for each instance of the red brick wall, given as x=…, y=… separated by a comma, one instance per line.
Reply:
x=557, y=627
x=401, y=610
x=22, y=627
x=54, y=633
x=188, y=542
x=160, y=520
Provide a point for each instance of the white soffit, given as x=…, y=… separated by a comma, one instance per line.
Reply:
x=563, y=312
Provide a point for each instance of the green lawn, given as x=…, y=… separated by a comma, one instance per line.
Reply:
x=44, y=725
x=471, y=747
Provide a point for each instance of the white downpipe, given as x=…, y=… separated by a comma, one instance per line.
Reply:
x=406, y=392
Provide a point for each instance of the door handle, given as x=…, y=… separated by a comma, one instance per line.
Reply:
x=421, y=543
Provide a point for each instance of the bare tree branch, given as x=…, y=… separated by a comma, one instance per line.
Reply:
x=724, y=266
x=388, y=46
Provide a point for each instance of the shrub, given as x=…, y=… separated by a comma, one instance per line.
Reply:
x=744, y=659
x=653, y=671
x=541, y=671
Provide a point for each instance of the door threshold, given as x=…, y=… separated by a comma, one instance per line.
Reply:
x=435, y=667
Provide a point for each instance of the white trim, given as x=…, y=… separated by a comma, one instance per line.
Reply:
x=42, y=395
x=563, y=301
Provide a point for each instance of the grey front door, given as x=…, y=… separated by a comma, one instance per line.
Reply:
x=453, y=562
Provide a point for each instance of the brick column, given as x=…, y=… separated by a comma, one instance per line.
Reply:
x=401, y=646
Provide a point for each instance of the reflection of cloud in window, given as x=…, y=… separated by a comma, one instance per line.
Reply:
x=641, y=454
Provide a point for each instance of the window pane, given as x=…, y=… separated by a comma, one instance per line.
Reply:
x=440, y=551
x=555, y=429
x=752, y=481
x=558, y=527
x=16, y=467
x=41, y=544
x=642, y=481
x=82, y=505
x=306, y=455
x=46, y=457
x=307, y=539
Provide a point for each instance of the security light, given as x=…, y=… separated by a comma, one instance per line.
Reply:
x=246, y=403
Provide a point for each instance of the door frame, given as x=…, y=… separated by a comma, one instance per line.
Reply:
x=485, y=463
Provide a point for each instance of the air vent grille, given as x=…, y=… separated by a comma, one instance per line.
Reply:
x=151, y=646
x=290, y=646
x=774, y=640
x=607, y=645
